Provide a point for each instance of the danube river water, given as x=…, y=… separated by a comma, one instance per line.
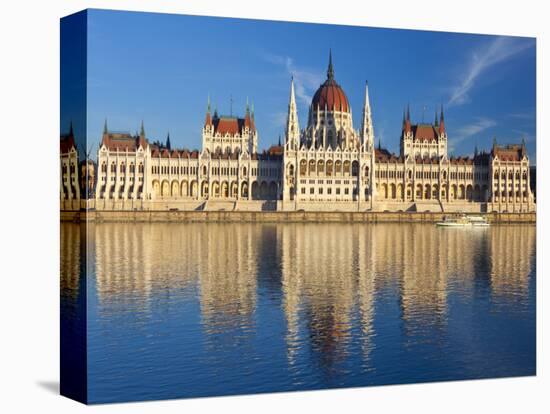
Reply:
x=188, y=310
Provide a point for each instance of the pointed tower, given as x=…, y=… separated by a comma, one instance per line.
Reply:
x=208, y=119
x=436, y=121
x=292, y=126
x=408, y=120
x=367, y=129
x=168, y=143
x=442, y=123
x=105, y=138
x=330, y=70
x=406, y=142
x=142, y=130
x=142, y=141
x=247, y=119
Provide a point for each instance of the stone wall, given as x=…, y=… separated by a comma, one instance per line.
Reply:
x=278, y=217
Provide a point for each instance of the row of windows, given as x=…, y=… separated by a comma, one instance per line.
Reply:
x=185, y=170
x=330, y=167
x=165, y=169
x=320, y=191
x=71, y=169
x=337, y=182
x=509, y=193
x=113, y=179
x=122, y=168
x=466, y=175
x=510, y=175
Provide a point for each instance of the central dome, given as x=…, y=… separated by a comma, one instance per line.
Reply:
x=330, y=94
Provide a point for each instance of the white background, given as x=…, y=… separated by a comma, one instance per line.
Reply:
x=29, y=249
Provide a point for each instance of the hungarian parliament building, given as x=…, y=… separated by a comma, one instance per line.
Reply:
x=326, y=166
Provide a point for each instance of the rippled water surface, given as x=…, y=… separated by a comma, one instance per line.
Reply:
x=184, y=310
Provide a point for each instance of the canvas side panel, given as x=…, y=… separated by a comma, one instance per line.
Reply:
x=73, y=195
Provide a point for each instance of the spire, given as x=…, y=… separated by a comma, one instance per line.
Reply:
x=105, y=130
x=436, y=122
x=208, y=120
x=442, y=122
x=330, y=70
x=142, y=129
x=252, y=110
x=407, y=126
x=279, y=140
x=168, y=144
x=292, y=126
x=71, y=132
x=379, y=143
x=367, y=129
x=247, y=122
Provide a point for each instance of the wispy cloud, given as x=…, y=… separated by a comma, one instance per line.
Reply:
x=479, y=125
x=306, y=81
x=278, y=119
x=527, y=115
x=481, y=60
x=521, y=134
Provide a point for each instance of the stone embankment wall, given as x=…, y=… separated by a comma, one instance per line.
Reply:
x=278, y=217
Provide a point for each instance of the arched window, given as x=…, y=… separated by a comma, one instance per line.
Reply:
x=355, y=169
x=303, y=167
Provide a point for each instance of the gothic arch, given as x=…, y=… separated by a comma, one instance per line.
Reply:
x=225, y=189
x=194, y=189
x=184, y=189
x=156, y=188
x=204, y=189
x=165, y=189
x=175, y=192
x=255, y=190
x=244, y=189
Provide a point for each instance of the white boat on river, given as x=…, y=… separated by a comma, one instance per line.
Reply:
x=463, y=221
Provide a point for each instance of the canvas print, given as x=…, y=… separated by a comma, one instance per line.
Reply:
x=257, y=206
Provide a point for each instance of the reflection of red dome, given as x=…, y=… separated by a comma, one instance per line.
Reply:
x=330, y=94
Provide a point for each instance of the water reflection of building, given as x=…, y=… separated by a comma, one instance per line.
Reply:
x=137, y=261
x=325, y=273
x=512, y=251
x=227, y=269
x=70, y=250
x=330, y=277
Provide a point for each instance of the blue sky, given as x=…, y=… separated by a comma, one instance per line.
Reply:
x=161, y=68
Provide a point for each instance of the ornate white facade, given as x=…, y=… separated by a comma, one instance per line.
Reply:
x=326, y=166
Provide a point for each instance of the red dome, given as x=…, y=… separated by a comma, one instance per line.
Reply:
x=330, y=94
